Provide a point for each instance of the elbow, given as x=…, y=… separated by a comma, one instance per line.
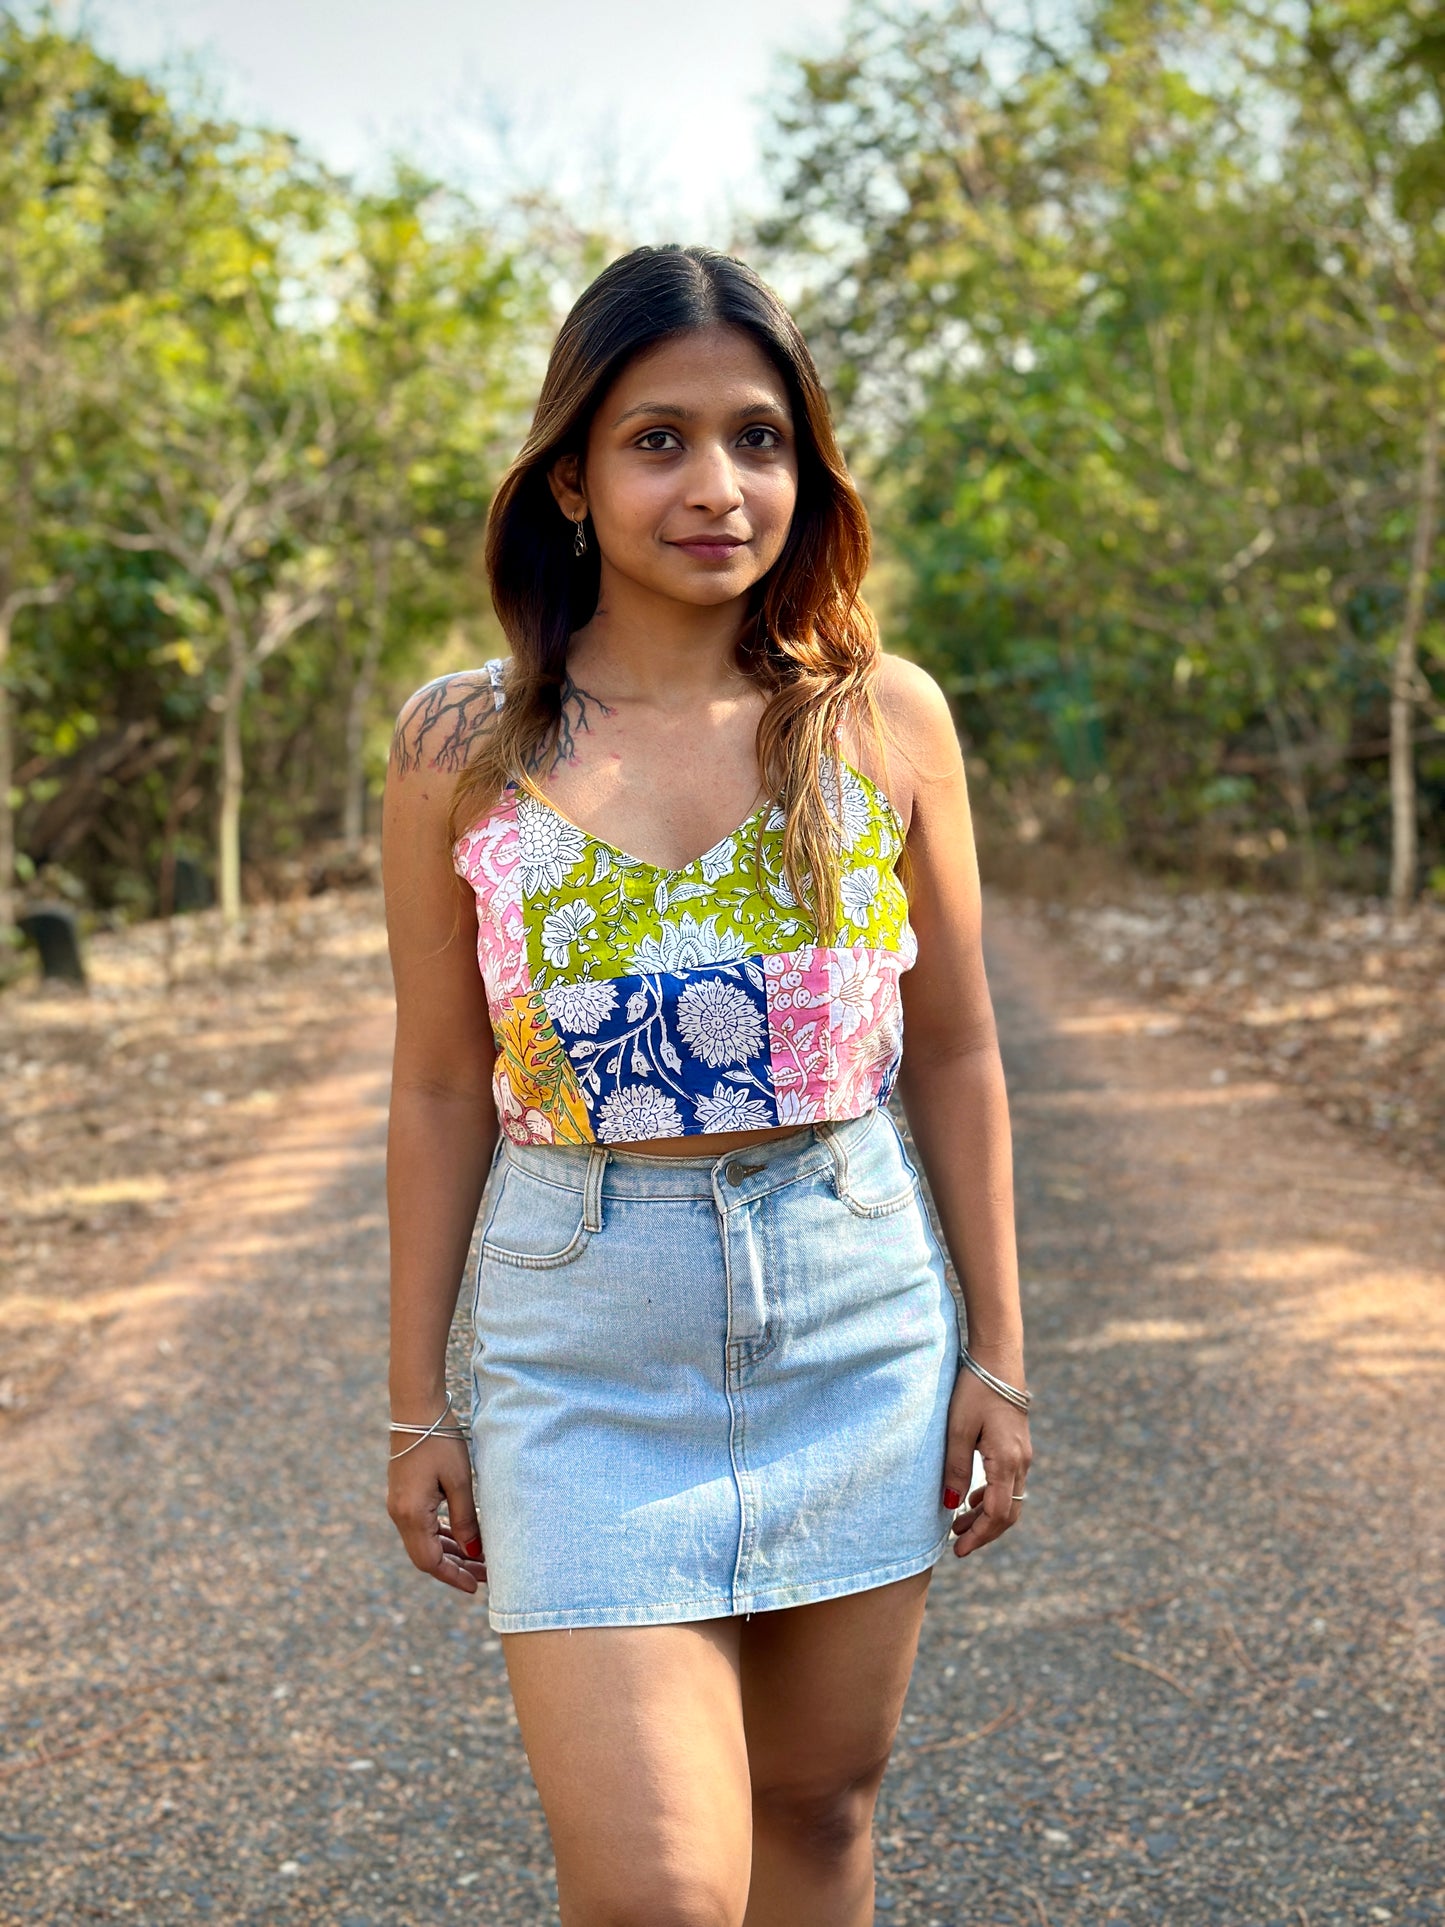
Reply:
x=926, y=1051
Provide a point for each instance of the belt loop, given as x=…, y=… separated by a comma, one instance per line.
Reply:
x=592, y=1187
x=828, y=1131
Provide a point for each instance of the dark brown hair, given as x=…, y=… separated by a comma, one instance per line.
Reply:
x=810, y=641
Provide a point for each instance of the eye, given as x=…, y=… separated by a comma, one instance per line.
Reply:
x=760, y=428
x=654, y=440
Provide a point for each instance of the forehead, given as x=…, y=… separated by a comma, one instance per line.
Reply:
x=718, y=367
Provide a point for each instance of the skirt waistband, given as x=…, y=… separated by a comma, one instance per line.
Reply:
x=604, y=1170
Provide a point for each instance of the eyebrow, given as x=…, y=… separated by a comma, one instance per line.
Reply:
x=760, y=406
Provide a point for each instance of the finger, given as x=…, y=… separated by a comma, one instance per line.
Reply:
x=991, y=1514
x=430, y=1545
x=998, y=1501
x=962, y=1469
x=454, y=1551
x=451, y=1566
x=462, y=1510
x=977, y=1530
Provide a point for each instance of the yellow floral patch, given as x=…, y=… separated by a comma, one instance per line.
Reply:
x=538, y=1097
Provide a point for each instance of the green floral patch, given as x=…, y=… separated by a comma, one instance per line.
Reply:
x=593, y=911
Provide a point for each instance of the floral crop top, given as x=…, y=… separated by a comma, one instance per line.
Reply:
x=630, y=1002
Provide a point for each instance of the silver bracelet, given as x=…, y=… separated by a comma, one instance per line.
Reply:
x=1012, y=1393
x=427, y=1432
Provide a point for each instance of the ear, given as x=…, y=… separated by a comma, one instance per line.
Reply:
x=564, y=478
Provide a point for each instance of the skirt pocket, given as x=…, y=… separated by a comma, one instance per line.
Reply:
x=535, y=1225
x=872, y=1176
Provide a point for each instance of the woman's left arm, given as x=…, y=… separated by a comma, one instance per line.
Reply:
x=952, y=1086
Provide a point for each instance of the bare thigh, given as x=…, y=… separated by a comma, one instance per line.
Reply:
x=823, y=1690
x=635, y=1738
x=823, y=1686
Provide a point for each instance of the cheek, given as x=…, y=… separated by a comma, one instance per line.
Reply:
x=772, y=502
x=631, y=507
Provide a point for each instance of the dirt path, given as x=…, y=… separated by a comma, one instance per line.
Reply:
x=1200, y=1684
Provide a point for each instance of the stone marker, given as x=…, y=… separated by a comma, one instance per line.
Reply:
x=52, y=928
x=192, y=888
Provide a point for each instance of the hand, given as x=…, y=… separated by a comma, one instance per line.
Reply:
x=978, y=1419
x=438, y=1472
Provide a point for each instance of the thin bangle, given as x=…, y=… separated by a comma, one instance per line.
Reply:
x=1016, y=1395
x=428, y=1433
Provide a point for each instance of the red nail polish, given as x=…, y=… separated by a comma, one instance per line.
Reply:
x=473, y=1548
x=953, y=1500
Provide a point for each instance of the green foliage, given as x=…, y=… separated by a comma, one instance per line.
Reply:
x=1132, y=316
x=250, y=421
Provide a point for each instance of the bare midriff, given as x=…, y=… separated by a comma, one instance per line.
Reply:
x=715, y=1144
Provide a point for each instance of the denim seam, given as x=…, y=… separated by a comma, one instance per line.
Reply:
x=887, y=1208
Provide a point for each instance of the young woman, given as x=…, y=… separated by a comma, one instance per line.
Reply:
x=721, y=1425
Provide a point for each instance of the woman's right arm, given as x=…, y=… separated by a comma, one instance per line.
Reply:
x=441, y=1133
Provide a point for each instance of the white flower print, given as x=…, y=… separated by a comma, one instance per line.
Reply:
x=780, y=889
x=846, y=798
x=722, y=1024
x=858, y=890
x=856, y=990
x=548, y=845
x=796, y=1108
x=562, y=928
x=638, y=1111
x=685, y=944
x=581, y=1006
x=718, y=861
x=731, y=1109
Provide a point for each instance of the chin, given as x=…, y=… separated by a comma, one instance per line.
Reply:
x=704, y=590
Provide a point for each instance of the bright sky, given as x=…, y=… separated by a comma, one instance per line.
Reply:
x=660, y=102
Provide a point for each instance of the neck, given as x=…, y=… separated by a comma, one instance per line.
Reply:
x=655, y=649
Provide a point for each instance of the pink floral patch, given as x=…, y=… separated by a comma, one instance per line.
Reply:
x=489, y=857
x=800, y=1045
x=835, y=1024
x=866, y=1018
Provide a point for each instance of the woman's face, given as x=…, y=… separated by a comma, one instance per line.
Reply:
x=691, y=471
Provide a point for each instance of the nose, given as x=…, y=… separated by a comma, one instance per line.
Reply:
x=712, y=481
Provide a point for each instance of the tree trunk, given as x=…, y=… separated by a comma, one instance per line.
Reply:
x=1297, y=796
x=1405, y=673
x=182, y=797
x=354, y=802
x=228, y=814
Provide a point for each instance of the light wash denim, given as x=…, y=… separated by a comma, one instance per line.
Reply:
x=707, y=1386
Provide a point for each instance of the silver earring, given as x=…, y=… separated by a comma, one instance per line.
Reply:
x=579, y=540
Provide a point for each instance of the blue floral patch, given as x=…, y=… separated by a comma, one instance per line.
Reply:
x=670, y=1053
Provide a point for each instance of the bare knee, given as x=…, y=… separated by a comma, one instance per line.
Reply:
x=824, y=1819
x=656, y=1897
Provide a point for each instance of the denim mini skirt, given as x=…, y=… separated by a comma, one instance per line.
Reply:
x=707, y=1386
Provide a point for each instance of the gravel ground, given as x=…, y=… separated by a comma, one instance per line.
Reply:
x=1199, y=1684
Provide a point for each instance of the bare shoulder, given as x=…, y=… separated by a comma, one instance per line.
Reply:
x=920, y=743
x=915, y=710
x=438, y=725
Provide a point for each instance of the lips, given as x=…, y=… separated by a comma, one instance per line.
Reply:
x=708, y=547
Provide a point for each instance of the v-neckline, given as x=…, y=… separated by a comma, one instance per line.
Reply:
x=641, y=862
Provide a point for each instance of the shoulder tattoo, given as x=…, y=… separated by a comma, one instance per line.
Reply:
x=445, y=724
x=454, y=711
